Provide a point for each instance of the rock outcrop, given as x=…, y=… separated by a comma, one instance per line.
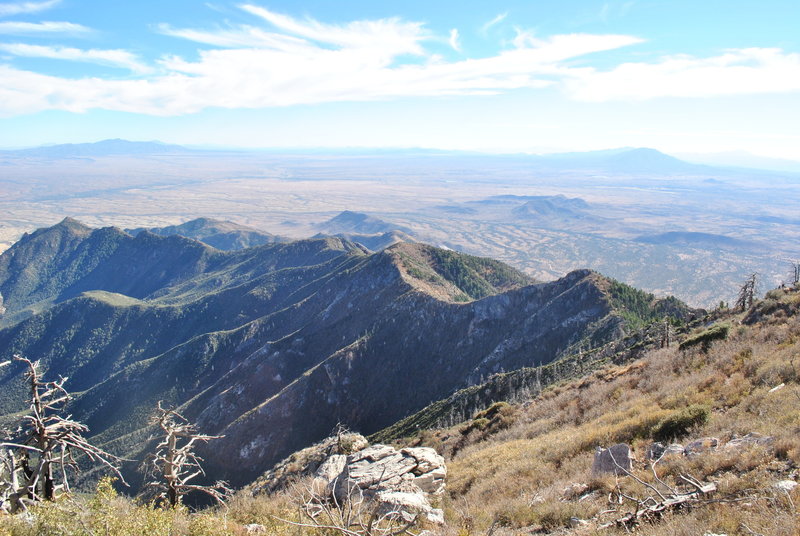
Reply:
x=400, y=482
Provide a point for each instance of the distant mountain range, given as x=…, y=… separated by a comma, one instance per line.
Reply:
x=115, y=147
x=272, y=346
x=621, y=160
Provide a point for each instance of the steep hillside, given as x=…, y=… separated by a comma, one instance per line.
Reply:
x=527, y=467
x=273, y=346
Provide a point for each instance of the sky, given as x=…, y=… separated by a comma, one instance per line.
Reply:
x=504, y=76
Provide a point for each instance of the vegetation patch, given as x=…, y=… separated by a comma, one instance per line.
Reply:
x=705, y=338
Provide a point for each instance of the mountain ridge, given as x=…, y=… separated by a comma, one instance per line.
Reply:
x=271, y=346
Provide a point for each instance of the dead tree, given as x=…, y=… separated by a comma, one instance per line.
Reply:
x=666, y=334
x=37, y=457
x=747, y=293
x=175, y=463
x=795, y=273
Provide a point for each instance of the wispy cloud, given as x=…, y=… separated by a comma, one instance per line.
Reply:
x=34, y=28
x=17, y=8
x=454, y=40
x=498, y=19
x=736, y=72
x=241, y=36
x=264, y=77
x=289, y=61
x=389, y=37
x=114, y=58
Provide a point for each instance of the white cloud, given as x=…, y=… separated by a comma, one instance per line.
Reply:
x=498, y=19
x=32, y=28
x=115, y=58
x=242, y=36
x=296, y=61
x=736, y=72
x=263, y=77
x=389, y=37
x=454, y=40
x=16, y=8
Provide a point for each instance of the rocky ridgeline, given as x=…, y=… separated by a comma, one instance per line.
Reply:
x=399, y=482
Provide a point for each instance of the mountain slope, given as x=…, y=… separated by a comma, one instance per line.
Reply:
x=272, y=346
x=220, y=234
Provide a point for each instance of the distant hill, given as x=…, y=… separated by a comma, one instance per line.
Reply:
x=556, y=212
x=553, y=208
x=358, y=223
x=115, y=147
x=273, y=346
x=224, y=235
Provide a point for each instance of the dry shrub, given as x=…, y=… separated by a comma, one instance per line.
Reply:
x=788, y=448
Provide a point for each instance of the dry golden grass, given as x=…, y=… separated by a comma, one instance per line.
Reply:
x=516, y=478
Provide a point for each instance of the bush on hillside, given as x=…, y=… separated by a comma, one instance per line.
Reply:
x=705, y=338
x=681, y=422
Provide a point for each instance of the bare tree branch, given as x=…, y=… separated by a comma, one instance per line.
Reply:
x=173, y=465
x=46, y=441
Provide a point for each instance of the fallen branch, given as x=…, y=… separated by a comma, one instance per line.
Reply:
x=659, y=508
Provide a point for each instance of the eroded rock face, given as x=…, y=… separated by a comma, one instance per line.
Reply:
x=616, y=460
x=399, y=481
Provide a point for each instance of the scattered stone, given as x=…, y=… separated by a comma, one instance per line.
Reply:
x=700, y=446
x=255, y=528
x=749, y=440
x=574, y=490
x=615, y=460
x=658, y=451
x=577, y=522
x=785, y=485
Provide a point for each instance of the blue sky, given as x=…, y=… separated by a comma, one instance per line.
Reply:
x=535, y=76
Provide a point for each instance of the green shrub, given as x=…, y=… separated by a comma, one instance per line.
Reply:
x=681, y=422
x=705, y=338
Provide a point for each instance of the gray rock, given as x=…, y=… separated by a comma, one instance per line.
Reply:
x=785, y=485
x=327, y=474
x=399, y=482
x=700, y=446
x=615, y=460
x=255, y=528
x=427, y=459
x=751, y=439
x=407, y=506
x=659, y=451
x=372, y=454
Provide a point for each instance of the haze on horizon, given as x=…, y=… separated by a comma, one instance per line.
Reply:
x=513, y=76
